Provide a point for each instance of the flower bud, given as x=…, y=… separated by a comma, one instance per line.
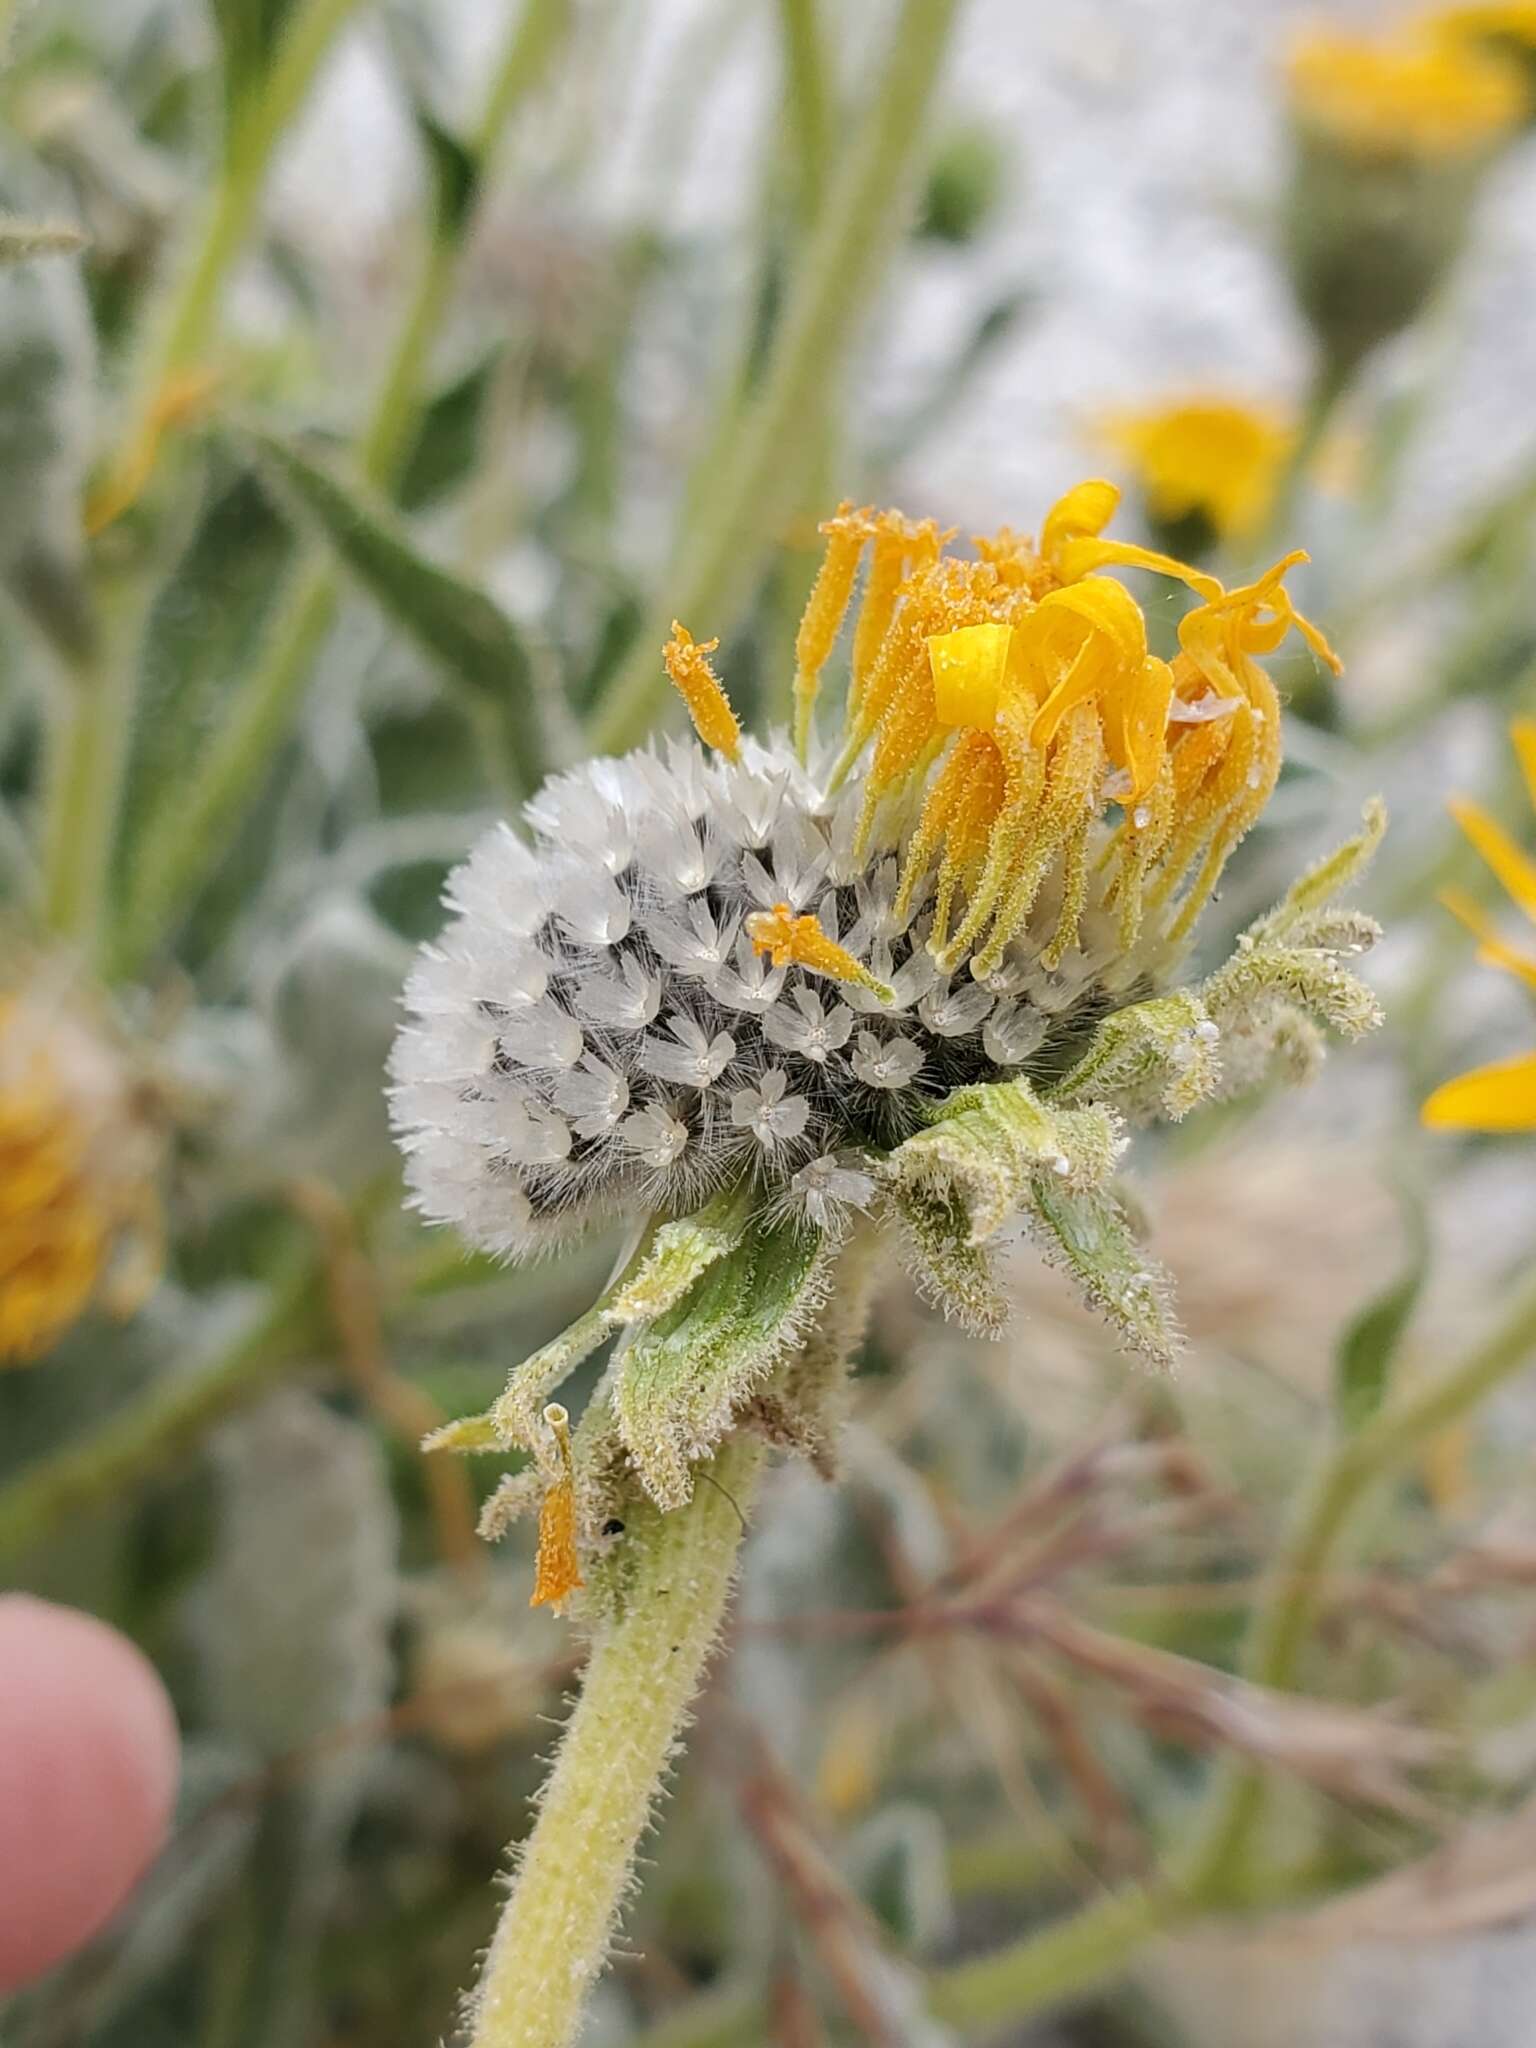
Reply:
x=1390, y=144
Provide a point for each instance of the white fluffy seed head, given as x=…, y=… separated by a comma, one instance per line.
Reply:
x=594, y=1032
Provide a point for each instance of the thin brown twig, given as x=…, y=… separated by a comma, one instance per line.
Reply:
x=404, y=1409
x=836, y=1924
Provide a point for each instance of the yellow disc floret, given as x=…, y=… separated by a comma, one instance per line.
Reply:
x=699, y=687
x=791, y=941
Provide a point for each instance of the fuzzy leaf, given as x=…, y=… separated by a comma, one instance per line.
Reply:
x=950, y=1269
x=1154, y=1056
x=1369, y=1346
x=800, y=1407
x=990, y=1144
x=665, y=1265
x=455, y=173
x=454, y=623
x=684, y=1376
x=679, y=1253
x=1087, y=1233
x=1318, y=887
x=1307, y=978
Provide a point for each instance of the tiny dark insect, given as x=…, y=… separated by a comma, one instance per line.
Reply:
x=613, y=1527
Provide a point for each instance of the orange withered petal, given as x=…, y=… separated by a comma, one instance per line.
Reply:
x=557, y=1565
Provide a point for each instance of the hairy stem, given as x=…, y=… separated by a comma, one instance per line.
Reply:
x=755, y=475
x=644, y=1669
x=1094, y=1944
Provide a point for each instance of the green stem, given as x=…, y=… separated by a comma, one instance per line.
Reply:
x=756, y=481
x=644, y=1670
x=191, y=833
x=1095, y=1943
x=154, y=1430
x=179, y=335
x=195, y=825
x=83, y=745
x=1331, y=381
x=806, y=101
x=1288, y=1611
x=91, y=742
x=1049, y=1966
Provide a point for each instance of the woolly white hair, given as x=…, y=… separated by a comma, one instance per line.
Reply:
x=595, y=1033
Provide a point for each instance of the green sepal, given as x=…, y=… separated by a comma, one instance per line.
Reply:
x=666, y=1263
x=682, y=1378
x=1326, y=879
x=1087, y=1233
x=950, y=1269
x=1155, y=1058
x=990, y=1144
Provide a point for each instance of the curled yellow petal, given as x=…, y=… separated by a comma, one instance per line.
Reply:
x=1136, y=725
x=1083, y=511
x=968, y=666
x=1500, y=1097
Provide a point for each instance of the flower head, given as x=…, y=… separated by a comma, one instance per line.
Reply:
x=1414, y=94
x=1500, y=1097
x=765, y=963
x=1501, y=28
x=1211, y=460
x=73, y=1176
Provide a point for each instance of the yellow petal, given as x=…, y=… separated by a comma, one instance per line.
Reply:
x=1501, y=1097
x=1091, y=640
x=1136, y=725
x=1086, y=509
x=968, y=667
x=1079, y=558
x=1523, y=733
x=1514, y=869
x=1492, y=949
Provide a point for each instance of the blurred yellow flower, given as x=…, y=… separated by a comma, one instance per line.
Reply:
x=73, y=1179
x=1417, y=95
x=1511, y=26
x=1208, y=458
x=1500, y=1097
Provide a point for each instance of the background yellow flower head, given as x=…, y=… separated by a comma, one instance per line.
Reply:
x=1500, y=1097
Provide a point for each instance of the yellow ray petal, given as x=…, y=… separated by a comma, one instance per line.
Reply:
x=968, y=666
x=1078, y=558
x=1084, y=510
x=1514, y=869
x=1492, y=949
x=1523, y=733
x=1501, y=1097
x=1136, y=725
